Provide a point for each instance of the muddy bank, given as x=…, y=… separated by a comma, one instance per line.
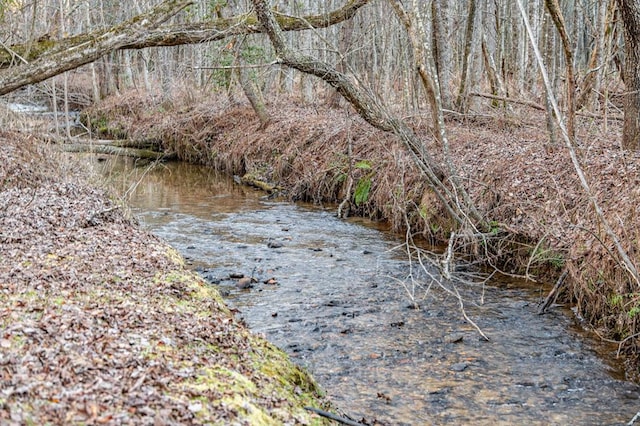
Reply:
x=100, y=322
x=522, y=184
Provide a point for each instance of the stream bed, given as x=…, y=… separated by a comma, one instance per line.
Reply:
x=339, y=297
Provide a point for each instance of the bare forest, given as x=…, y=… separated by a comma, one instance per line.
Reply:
x=505, y=131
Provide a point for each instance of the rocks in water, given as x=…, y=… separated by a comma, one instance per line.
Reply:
x=245, y=282
x=453, y=338
x=274, y=244
x=459, y=367
x=212, y=279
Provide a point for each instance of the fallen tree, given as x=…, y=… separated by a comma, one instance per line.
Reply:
x=99, y=44
x=175, y=35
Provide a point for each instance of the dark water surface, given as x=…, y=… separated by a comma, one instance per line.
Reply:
x=340, y=306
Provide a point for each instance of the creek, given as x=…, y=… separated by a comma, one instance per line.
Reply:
x=337, y=296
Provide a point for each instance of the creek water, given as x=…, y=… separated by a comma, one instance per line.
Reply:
x=340, y=302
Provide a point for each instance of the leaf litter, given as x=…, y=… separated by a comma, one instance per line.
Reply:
x=100, y=322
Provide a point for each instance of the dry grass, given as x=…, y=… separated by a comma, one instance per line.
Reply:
x=520, y=182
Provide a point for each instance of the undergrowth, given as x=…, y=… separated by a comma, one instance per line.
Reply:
x=541, y=222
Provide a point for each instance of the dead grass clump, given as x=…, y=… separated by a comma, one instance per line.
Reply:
x=524, y=186
x=27, y=164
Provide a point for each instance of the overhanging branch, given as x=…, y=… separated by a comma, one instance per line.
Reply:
x=61, y=60
x=180, y=34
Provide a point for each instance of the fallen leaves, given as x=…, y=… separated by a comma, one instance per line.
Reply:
x=100, y=323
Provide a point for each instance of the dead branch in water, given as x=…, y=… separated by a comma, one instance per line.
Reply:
x=553, y=294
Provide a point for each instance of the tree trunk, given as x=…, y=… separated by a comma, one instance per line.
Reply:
x=62, y=60
x=556, y=15
x=441, y=42
x=630, y=12
x=344, y=44
x=461, y=100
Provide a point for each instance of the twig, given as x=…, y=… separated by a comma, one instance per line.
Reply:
x=533, y=254
x=633, y=420
x=553, y=294
x=466, y=317
x=446, y=263
x=333, y=417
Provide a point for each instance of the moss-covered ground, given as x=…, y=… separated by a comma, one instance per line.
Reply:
x=101, y=323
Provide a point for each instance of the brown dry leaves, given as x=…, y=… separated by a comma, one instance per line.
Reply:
x=101, y=324
x=519, y=181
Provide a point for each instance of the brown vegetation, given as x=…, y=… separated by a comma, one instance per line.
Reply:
x=523, y=185
x=102, y=323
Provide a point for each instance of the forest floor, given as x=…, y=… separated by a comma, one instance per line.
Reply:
x=101, y=323
x=524, y=185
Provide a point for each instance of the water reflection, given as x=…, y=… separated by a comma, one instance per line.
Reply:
x=337, y=305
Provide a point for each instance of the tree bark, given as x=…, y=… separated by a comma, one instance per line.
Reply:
x=556, y=15
x=630, y=12
x=440, y=37
x=369, y=108
x=461, y=100
x=179, y=34
x=64, y=59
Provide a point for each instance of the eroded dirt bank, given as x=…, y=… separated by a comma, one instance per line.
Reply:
x=100, y=322
x=544, y=223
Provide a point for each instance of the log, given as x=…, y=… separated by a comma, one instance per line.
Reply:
x=116, y=150
x=251, y=180
x=122, y=143
x=65, y=58
x=542, y=108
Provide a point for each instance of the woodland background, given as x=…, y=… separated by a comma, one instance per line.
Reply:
x=440, y=76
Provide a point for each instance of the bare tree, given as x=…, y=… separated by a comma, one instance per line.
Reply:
x=630, y=12
x=467, y=61
x=556, y=15
x=440, y=35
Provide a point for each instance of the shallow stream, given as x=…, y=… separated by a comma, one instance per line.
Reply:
x=336, y=295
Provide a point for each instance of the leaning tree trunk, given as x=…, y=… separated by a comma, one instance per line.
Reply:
x=371, y=110
x=179, y=34
x=62, y=60
x=630, y=11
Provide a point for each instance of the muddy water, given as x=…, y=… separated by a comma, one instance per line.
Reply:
x=340, y=303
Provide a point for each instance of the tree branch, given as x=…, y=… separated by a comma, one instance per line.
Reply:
x=179, y=34
x=65, y=59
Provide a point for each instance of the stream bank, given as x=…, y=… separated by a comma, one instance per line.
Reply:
x=102, y=323
x=339, y=297
x=544, y=224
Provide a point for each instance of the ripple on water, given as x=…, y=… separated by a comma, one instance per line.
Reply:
x=340, y=308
